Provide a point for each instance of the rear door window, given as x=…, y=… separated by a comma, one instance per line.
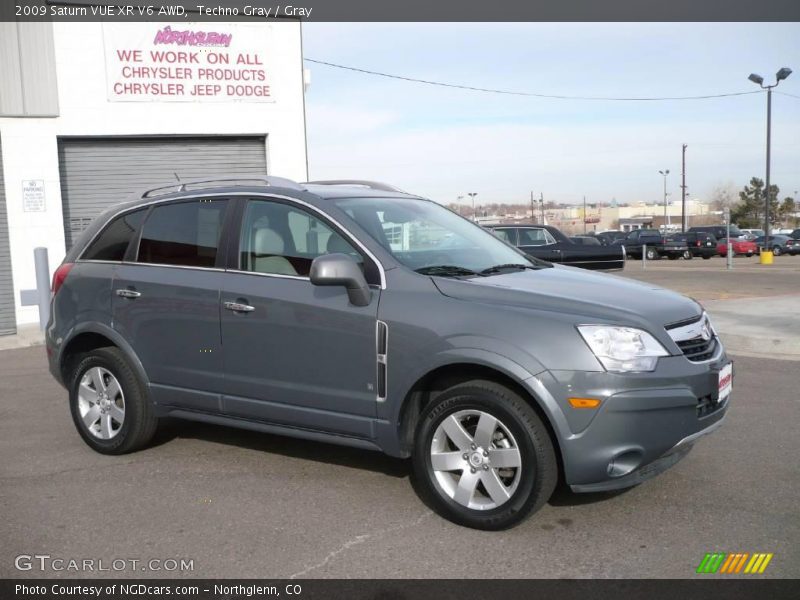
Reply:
x=533, y=236
x=183, y=234
x=112, y=243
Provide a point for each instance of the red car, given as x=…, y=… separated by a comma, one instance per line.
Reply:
x=740, y=246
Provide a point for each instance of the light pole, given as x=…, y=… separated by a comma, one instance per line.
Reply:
x=665, y=172
x=474, y=214
x=458, y=203
x=759, y=80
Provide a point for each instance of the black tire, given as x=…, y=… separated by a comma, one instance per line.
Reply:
x=537, y=474
x=652, y=254
x=776, y=251
x=706, y=256
x=139, y=423
x=687, y=255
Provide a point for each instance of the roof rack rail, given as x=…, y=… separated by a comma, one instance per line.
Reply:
x=182, y=186
x=373, y=185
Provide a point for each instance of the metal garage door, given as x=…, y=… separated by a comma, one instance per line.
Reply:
x=99, y=172
x=8, y=317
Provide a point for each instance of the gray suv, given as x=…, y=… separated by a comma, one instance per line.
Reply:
x=352, y=313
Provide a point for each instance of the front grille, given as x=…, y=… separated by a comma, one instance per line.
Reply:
x=698, y=349
x=695, y=337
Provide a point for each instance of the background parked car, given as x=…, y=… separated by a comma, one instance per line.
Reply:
x=607, y=238
x=739, y=246
x=779, y=244
x=719, y=231
x=700, y=244
x=752, y=234
x=656, y=245
x=548, y=243
x=795, y=234
x=586, y=240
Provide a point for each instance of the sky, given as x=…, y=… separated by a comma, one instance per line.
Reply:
x=443, y=143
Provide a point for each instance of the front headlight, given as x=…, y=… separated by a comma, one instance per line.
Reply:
x=622, y=349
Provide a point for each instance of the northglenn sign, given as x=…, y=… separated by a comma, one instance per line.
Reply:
x=198, y=63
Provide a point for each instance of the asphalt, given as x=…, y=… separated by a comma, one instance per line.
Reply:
x=241, y=504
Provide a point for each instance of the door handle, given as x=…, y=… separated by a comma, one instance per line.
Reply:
x=238, y=307
x=128, y=293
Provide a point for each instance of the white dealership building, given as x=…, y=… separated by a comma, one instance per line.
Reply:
x=92, y=112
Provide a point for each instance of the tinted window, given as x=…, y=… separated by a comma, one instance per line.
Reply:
x=113, y=241
x=184, y=234
x=283, y=240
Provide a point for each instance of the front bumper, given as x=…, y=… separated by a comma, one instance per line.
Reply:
x=658, y=466
x=645, y=423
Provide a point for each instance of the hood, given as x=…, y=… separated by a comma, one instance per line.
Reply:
x=583, y=294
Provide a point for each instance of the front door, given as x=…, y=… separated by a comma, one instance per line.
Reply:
x=165, y=302
x=296, y=353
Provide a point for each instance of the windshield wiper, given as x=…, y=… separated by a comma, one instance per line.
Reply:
x=446, y=271
x=508, y=266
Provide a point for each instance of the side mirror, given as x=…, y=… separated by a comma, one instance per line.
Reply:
x=340, y=269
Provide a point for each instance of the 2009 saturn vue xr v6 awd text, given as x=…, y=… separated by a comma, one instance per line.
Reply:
x=353, y=313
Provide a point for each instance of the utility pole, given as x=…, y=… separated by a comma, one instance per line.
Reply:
x=541, y=205
x=758, y=80
x=532, y=210
x=683, y=189
x=664, y=173
x=584, y=214
x=474, y=214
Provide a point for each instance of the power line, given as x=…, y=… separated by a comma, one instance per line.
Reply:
x=785, y=94
x=529, y=94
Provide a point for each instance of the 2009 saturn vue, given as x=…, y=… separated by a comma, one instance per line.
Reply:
x=353, y=313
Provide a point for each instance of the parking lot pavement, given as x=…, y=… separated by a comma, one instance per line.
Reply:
x=241, y=504
x=755, y=308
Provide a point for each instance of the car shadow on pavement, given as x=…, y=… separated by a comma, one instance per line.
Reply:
x=320, y=452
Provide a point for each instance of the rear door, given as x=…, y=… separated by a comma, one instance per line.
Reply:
x=296, y=354
x=165, y=302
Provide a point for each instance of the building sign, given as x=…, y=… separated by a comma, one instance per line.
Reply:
x=33, y=195
x=193, y=62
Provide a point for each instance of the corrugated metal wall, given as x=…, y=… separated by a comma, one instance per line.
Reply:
x=28, y=85
x=8, y=317
x=99, y=172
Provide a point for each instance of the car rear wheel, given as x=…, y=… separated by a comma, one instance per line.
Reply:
x=651, y=254
x=687, y=255
x=706, y=257
x=109, y=405
x=482, y=456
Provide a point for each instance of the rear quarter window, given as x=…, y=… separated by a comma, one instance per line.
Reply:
x=113, y=241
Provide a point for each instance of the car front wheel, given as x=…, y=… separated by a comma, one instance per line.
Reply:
x=482, y=456
x=109, y=405
x=687, y=255
x=776, y=251
x=651, y=254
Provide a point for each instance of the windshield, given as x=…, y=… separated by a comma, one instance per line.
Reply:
x=431, y=239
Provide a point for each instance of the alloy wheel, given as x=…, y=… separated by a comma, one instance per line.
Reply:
x=476, y=460
x=101, y=403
